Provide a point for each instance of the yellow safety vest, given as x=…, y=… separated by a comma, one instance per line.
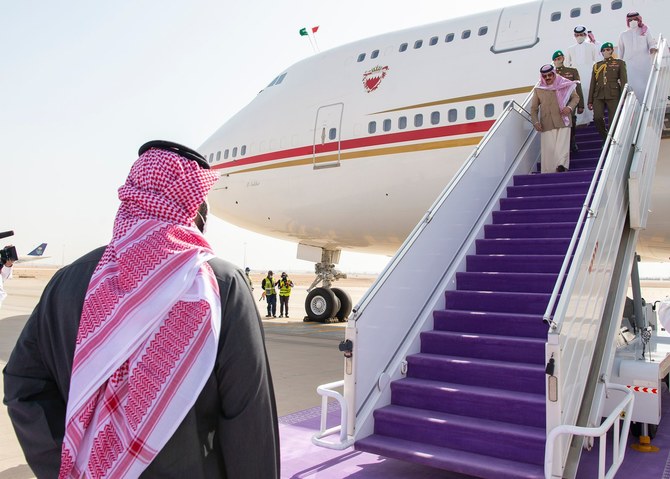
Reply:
x=269, y=287
x=285, y=287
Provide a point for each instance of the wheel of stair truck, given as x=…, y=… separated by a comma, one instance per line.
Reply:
x=345, y=304
x=321, y=305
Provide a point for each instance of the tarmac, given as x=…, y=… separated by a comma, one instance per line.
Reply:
x=302, y=354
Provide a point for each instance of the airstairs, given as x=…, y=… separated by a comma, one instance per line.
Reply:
x=485, y=345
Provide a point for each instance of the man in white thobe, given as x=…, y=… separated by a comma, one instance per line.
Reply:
x=582, y=55
x=637, y=47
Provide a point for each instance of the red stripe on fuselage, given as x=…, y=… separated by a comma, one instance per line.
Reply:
x=400, y=137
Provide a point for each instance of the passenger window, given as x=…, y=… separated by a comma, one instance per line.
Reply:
x=418, y=44
x=234, y=152
x=449, y=38
x=470, y=113
x=225, y=154
x=403, y=47
x=361, y=57
x=489, y=110
x=418, y=120
x=556, y=16
x=433, y=41
x=218, y=156
x=452, y=115
x=483, y=31
x=372, y=127
x=435, y=118
x=280, y=79
x=374, y=54
x=387, y=125
x=505, y=104
x=617, y=4
x=596, y=8
x=332, y=133
x=402, y=123
x=243, y=150
x=211, y=157
x=575, y=12
x=465, y=34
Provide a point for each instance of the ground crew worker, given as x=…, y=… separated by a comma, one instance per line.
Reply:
x=607, y=81
x=570, y=74
x=247, y=270
x=285, y=286
x=270, y=294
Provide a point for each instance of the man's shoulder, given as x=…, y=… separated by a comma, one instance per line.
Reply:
x=223, y=269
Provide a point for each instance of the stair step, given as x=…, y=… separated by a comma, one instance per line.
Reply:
x=482, y=436
x=538, y=202
x=532, y=230
x=500, y=302
x=477, y=322
x=462, y=462
x=522, y=246
x=539, y=215
x=545, y=178
x=515, y=263
x=510, y=282
x=472, y=401
x=570, y=188
x=520, y=377
x=483, y=346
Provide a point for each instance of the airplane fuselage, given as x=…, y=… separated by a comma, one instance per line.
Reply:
x=348, y=148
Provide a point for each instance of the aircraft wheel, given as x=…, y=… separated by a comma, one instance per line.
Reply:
x=345, y=304
x=321, y=304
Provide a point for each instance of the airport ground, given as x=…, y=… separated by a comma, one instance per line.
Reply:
x=302, y=355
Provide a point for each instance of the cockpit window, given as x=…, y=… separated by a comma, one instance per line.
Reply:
x=277, y=80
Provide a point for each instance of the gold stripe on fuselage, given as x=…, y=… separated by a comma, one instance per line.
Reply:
x=479, y=96
x=390, y=150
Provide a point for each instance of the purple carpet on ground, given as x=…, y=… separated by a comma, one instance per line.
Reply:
x=301, y=459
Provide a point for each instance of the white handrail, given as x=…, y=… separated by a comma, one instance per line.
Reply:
x=327, y=391
x=586, y=210
x=618, y=442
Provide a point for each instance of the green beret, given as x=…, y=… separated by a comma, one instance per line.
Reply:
x=606, y=45
x=557, y=53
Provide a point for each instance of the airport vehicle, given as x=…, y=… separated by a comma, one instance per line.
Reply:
x=364, y=136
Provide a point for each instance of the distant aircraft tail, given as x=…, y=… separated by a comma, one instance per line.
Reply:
x=39, y=251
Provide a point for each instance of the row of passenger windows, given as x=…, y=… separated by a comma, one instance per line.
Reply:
x=465, y=34
x=386, y=125
x=227, y=153
x=435, y=118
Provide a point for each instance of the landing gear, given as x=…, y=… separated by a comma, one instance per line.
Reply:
x=345, y=304
x=325, y=304
x=322, y=305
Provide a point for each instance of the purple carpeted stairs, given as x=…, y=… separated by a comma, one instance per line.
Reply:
x=473, y=401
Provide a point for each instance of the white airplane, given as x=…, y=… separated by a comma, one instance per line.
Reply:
x=360, y=139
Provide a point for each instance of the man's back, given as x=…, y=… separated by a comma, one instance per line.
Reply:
x=231, y=431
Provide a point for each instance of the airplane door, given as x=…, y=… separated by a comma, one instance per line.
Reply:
x=326, y=147
x=518, y=27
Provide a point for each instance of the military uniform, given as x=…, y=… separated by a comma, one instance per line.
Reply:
x=607, y=81
x=573, y=75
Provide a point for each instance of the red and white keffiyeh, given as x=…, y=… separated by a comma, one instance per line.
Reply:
x=150, y=324
x=563, y=88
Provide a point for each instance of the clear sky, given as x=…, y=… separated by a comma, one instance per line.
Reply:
x=83, y=84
